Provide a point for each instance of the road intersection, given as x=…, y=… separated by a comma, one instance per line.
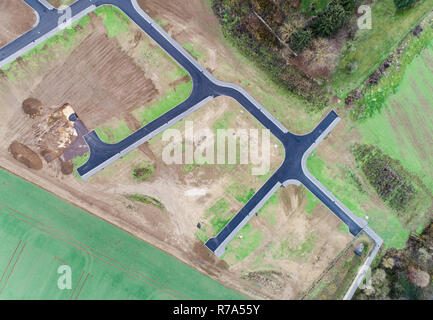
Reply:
x=205, y=88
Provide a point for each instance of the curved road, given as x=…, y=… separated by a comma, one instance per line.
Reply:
x=205, y=88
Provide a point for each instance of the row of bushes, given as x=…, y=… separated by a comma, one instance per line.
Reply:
x=387, y=176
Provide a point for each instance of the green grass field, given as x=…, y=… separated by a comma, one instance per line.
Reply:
x=371, y=47
x=174, y=97
x=41, y=232
x=113, y=131
x=404, y=128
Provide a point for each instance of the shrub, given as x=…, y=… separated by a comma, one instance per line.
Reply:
x=143, y=172
x=348, y=5
x=404, y=4
x=329, y=22
x=300, y=40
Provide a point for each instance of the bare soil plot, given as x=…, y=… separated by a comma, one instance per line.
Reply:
x=16, y=17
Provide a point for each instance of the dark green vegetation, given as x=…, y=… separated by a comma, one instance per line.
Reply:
x=145, y=199
x=252, y=27
x=388, y=177
x=143, y=172
x=331, y=19
x=41, y=232
x=404, y=4
x=300, y=39
x=404, y=274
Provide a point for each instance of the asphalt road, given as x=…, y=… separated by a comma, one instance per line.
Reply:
x=205, y=88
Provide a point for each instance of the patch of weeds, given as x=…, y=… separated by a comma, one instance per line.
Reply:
x=246, y=242
x=145, y=199
x=143, y=172
x=115, y=21
x=79, y=161
x=353, y=178
x=174, y=97
x=192, y=50
x=241, y=193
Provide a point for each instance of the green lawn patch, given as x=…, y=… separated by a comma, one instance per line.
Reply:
x=300, y=252
x=79, y=161
x=193, y=50
x=312, y=201
x=113, y=131
x=269, y=209
x=115, y=21
x=219, y=214
x=246, y=241
x=174, y=97
x=240, y=192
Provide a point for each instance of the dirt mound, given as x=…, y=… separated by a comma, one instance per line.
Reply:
x=56, y=133
x=66, y=167
x=33, y=107
x=25, y=155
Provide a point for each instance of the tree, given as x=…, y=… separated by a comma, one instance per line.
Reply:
x=329, y=22
x=300, y=39
x=404, y=4
x=288, y=28
x=348, y=5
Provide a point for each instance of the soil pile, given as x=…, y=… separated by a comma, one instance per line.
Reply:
x=56, y=134
x=33, y=107
x=25, y=155
x=66, y=167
